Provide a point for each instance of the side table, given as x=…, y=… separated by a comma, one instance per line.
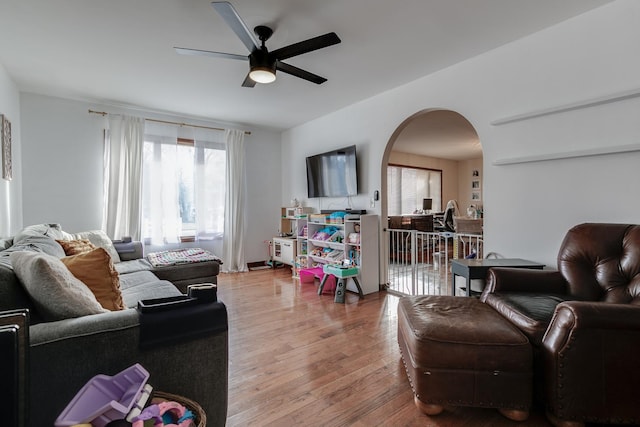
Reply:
x=477, y=268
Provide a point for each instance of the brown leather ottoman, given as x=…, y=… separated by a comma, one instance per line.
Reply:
x=458, y=351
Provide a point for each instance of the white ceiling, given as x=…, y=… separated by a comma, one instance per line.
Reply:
x=120, y=52
x=442, y=134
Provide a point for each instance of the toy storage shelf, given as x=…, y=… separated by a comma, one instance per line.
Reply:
x=355, y=239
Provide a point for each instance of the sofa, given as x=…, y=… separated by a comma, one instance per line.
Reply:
x=65, y=352
x=583, y=322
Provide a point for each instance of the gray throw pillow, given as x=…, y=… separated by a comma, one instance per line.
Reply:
x=56, y=292
x=101, y=240
x=43, y=244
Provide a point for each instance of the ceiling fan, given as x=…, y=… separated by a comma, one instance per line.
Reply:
x=262, y=63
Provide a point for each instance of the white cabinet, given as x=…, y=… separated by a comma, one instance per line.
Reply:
x=284, y=250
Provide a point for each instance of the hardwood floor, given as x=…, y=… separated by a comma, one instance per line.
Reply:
x=296, y=358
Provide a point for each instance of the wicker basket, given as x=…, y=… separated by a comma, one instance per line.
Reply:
x=198, y=412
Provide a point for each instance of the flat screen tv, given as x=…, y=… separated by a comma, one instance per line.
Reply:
x=333, y=174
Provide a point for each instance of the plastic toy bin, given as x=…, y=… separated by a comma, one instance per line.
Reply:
x=105, y=398
x=308, y=275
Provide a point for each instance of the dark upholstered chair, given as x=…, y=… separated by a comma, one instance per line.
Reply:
x=583, y=321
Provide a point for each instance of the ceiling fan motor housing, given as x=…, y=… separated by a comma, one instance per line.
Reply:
x=261, y=60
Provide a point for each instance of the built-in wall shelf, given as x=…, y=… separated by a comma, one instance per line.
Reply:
x=600, y=151
x=586, y=103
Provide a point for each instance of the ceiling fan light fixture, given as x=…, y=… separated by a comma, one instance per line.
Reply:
x=262, y=75
x=262, y=68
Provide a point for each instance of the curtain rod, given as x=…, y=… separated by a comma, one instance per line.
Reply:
x=104, y=113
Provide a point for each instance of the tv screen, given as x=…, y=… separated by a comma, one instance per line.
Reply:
x=333, y=174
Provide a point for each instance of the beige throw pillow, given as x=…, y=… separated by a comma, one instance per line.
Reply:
x=56, y=292
x=95, y=269
x=75, y=247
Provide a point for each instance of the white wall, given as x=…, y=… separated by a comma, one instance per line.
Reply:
x=530, y=206
x=11, y=191
x=62, y=149
x=62, y=160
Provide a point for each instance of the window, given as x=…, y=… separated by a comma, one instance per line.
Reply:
x=407, y=186
x=183, y=189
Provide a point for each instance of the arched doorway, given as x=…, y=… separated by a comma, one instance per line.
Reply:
x=434, y=154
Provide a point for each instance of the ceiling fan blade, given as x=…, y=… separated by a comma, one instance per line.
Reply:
x=309, y=45
x=248, y=82
x=187, y=51
x=298, y=72
x=233, y=20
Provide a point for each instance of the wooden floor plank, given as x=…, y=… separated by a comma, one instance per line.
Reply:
x=299, y=359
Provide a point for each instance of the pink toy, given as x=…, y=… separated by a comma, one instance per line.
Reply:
x=308, y=275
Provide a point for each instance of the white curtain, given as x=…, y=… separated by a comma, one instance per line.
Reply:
x=183, y=189
x=209, y=189
x=160, y=208
x=233, y=240
x=123, y=176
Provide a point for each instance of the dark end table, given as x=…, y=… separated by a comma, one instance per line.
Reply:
x=477, y=268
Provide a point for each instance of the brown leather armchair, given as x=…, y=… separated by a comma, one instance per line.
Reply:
x=583, y=322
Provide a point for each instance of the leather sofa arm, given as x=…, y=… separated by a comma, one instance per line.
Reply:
x=505, y=279
x=589, y=351
x=573, y=316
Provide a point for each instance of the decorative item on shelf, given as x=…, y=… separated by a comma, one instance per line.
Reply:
x=315, y=252
x=334, y=255
x=337, y=237
x=324, y=234
x=354, y=256
x=318, y=218
x=336, y=218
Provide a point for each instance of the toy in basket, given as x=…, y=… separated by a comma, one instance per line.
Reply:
x=168, y=409
x=106, y=398
x=124, y=396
